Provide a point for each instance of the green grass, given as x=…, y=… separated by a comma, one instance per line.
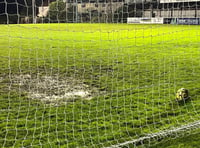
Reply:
x=140, y=67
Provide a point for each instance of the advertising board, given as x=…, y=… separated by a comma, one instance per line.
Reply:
x=132, y=20
x=188, y=21
x=182, y=21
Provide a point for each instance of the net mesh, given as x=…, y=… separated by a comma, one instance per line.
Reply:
x=99, y=73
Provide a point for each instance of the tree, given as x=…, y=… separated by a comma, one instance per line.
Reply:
x=59, y=12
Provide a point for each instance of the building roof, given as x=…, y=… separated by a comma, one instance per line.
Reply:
x=178, y=1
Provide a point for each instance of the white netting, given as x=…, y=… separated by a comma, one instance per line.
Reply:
x=98, y=73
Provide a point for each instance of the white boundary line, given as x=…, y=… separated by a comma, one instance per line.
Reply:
x=161, y=134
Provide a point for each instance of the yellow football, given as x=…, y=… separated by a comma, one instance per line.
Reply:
x=182, y=94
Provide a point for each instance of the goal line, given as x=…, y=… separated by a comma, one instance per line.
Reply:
x=159, y=135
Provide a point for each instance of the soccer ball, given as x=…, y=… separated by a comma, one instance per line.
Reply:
x=182, y=94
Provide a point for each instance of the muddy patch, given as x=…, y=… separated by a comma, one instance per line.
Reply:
x=55, y=90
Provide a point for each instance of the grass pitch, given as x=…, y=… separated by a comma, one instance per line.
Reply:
x=130, y=72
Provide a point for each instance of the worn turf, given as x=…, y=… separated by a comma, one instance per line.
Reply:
x=132, y=72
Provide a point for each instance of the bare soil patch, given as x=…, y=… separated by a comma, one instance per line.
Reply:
x=54, y=90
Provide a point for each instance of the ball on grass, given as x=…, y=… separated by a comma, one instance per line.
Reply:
x=182, y=94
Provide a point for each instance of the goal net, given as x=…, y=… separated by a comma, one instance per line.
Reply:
x=99, y=73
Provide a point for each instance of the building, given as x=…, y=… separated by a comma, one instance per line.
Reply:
x=105, y=7
x=87, y=10
x=173, y=9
